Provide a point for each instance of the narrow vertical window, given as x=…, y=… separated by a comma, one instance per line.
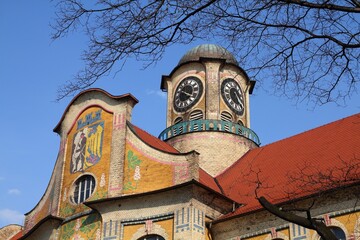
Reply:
x=178, y=130
x=227, y=117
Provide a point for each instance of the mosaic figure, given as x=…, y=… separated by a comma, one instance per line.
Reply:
x=79, y=147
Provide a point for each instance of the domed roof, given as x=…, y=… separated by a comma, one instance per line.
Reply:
x=208, y=51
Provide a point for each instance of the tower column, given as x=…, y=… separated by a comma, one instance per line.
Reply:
x=212, y=91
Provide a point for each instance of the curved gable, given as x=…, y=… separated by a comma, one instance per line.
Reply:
x=151, y=164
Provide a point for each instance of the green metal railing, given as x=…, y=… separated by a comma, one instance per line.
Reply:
x=208, y=125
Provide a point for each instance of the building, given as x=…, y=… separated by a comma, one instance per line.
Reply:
x=201, y=177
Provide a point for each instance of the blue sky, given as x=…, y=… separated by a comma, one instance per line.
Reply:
x=31, y=69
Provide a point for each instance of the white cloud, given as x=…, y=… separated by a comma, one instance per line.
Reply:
x=161, y=94
x=14, y=191
x=158, y=93
x=8, y=216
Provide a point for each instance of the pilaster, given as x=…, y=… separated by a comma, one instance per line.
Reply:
x=212, y=89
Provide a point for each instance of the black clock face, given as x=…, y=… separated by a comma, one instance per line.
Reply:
x=187, y=94
x=232, y=95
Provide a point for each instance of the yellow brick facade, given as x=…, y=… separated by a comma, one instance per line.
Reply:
x=135, y=231
x=142, y=174
x=86, y=227
x=99, y=132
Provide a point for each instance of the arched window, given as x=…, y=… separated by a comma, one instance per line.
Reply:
x=83, y=188
x=177, y=120
x=180, y=129
x=152, y=237
x=196, y=115
x=225, y=116
x=338, y=232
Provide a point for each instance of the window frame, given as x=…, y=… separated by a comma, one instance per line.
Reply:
x=152, y=237
x=83, y=188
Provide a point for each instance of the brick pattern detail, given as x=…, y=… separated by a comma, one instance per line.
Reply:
x=213, y=146
x=119, y=121
x=212, y=90
x=182, y=173
x=189, y=223
x=182, y=220
x=111, y=229
x=298, y=232
x=327, y=219
x=117, y=154
x=198, y=221
x=149, y=226
x=274, y=233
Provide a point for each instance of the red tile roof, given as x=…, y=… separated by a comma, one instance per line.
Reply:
x=209, y=181
x=152, y=141
x=282, y=167
x=285, y=168
x=17, y=236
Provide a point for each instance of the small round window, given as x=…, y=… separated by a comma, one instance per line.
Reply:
x=83, y=188
x=338, y=232
x=152, y=237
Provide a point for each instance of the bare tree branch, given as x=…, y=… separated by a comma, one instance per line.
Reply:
x=308, y=222
x=310, y=49
x=310, y=181
x=325, y=5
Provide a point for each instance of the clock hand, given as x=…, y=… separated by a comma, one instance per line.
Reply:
x=237, y=96
x=186, y=93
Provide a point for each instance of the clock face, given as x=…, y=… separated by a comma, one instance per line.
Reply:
x=232, y=95
x=187, y=94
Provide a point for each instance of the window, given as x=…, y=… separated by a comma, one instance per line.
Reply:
x=196, y=115
x=177, y=120
x=152, y=237
x=179, y=130
x=240, y=129
x=83, y=188
x=338, y=232
x=225, y=116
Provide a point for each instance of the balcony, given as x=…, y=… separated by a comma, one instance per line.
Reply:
x=203, y=125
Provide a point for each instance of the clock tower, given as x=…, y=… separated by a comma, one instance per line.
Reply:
x=208, y=107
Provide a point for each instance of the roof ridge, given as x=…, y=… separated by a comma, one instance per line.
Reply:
x=312, y=129
x=161, y=145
